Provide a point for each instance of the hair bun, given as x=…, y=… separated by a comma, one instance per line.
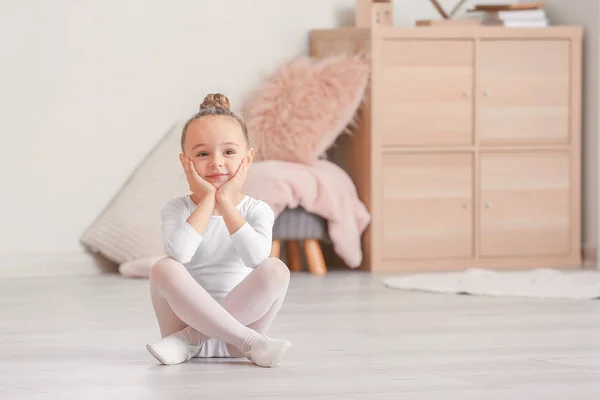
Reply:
x=216, y=100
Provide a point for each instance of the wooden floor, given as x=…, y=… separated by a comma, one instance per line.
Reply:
x=83, y=337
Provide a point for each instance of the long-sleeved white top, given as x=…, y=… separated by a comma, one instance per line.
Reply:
x=217, y=259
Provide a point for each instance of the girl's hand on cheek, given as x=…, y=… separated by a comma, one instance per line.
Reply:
x=231, y=189
x=197, y=184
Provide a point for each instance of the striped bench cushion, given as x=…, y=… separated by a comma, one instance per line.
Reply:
x=297, y=223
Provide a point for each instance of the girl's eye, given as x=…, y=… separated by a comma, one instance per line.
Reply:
x=229, y=152
x=202, y=154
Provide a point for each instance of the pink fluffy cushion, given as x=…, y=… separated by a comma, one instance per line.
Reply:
x=297, y=113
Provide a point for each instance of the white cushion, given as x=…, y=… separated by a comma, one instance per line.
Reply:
x=129, y=228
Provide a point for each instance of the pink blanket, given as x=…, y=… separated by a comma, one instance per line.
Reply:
x=323, y=189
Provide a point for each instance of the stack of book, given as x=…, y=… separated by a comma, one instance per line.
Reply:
x=530, y=15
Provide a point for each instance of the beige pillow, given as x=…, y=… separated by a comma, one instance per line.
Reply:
x=129, y=228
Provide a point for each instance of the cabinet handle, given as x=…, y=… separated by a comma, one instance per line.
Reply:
x=466, y=205
x=467, y=93
x=487, y=92
x=488, y=205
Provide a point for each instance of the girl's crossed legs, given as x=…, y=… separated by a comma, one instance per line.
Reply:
x=186, y=313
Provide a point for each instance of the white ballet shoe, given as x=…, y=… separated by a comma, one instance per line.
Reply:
x=268, y=354
x=173, y=349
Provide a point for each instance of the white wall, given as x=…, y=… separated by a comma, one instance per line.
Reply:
x=586, y=13
x=88, y=87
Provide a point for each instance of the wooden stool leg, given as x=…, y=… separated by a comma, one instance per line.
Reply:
x=276, y=249
x=294, y=260
x=314, y=257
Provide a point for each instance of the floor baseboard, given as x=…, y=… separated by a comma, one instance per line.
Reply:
x=590, y=257
x=53, y=264
x=85, y=263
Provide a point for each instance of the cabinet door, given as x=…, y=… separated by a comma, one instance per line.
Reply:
x=523, y=91
x=525, y=207
x=427, y=211
x=425, y=92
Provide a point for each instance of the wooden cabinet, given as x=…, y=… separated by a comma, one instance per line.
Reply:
x=525, y=207
x=427, y=203
x=426, y=92
x=523, y=91
x=468, y=151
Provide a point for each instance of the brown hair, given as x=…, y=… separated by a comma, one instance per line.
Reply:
x=214, y=104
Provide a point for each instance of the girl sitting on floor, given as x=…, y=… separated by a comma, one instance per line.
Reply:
x=217, y=292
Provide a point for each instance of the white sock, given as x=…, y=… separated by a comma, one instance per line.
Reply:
x=174, y=349
x=267, y=353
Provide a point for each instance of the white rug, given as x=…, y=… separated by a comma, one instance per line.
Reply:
x=540, y=283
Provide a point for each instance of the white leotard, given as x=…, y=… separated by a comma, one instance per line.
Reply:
x=217, y=259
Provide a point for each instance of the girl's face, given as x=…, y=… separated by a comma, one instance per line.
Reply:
x=216, y=145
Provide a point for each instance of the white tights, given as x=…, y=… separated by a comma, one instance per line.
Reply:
x=241, y=319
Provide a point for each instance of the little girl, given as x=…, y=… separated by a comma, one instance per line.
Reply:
x=217, y=292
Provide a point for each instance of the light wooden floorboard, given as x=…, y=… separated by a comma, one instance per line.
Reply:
x=83, y=337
